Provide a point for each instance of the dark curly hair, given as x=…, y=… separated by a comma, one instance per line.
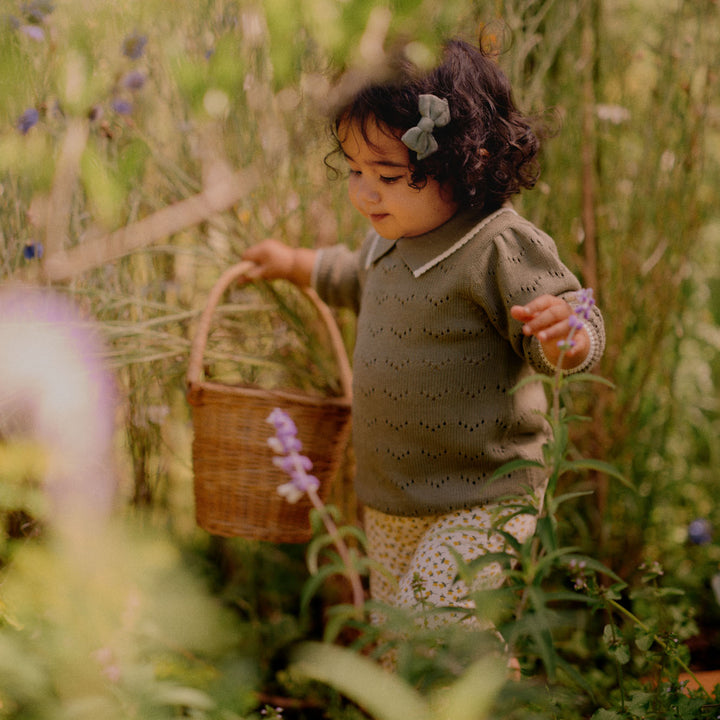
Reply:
x=489, y=149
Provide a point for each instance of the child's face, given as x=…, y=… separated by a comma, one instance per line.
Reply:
x=379, y=184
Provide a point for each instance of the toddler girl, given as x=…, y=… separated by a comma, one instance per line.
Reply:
x=458, y=299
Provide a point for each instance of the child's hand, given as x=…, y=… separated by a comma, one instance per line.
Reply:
x=546, y=317
x=274, y=260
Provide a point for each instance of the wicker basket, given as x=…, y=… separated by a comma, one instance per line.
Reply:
x=235, y=480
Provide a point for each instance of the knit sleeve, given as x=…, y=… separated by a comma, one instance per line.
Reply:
x=336, y=276
x=521, y=263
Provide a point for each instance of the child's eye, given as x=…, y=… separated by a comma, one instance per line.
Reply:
x=390, y=180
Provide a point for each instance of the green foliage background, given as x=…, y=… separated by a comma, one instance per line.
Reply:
x=629, y=190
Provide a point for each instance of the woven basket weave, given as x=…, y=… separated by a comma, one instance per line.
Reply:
x=235, y=480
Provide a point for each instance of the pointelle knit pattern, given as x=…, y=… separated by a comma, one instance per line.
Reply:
x=437, y=353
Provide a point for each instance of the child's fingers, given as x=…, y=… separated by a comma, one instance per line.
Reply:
x=520, y=313
x=540, y=303
x=549, y=323
x=254, y=272
x=535, y=309
x=556, y=331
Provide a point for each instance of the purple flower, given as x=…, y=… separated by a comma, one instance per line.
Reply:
x=700, y=532
x=585, y=301
x=134, y=80
x=34, y=32
x=121, y=106
x=33, y=250
x=134, y=46
x=27, y=120
x=285, y=440
x=581, y=311
x=286, y=444
x=578, y=574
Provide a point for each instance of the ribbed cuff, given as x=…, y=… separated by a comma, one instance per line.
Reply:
x=594, y=353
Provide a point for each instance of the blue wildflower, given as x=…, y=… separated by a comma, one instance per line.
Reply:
x=700, y=532
x=286, y=444
x=27, y=120
x=122, y=106
x=134, y=80
x=134, y=46
x=33, y=250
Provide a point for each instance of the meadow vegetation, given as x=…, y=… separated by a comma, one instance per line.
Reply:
x=143, y=146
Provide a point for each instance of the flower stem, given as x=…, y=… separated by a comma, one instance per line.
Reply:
x=343, y=550
x=630, y=616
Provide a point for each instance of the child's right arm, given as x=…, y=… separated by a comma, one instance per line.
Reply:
x=276, y=261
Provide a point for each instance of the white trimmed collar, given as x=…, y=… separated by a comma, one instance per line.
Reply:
x=423, y=252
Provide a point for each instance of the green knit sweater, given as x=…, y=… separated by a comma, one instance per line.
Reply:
x=437, y=353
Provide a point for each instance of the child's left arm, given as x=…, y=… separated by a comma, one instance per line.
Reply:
x=546, y=317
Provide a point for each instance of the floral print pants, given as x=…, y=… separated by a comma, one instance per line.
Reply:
x=415, y=551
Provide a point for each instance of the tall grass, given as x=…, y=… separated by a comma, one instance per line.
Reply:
x=170, y=136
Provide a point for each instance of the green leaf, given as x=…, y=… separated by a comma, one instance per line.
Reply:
x=616, y=646
x=131, y=163
x=597, y=566
x=645, y=641
x=314, y=583
x=472, y=695
x=604, y=714
x=338, y=617
x=383, y=695
x=515, y=465
x=355, y=532
x=599, y=466
x=544, y=379
x=587, y=377
x=639, y=703
x=560, y=499
x=314, y=548
x=187, y=697
x=105, y=193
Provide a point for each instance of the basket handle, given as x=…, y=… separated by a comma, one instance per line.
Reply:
x=197, y=350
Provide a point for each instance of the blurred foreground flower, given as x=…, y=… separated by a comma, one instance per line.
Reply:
x=286, y=444
x=297, y=466
x=55, y=391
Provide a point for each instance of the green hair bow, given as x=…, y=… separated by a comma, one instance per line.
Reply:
x=434, y=112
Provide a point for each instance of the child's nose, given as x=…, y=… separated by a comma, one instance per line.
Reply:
x=368, y=191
